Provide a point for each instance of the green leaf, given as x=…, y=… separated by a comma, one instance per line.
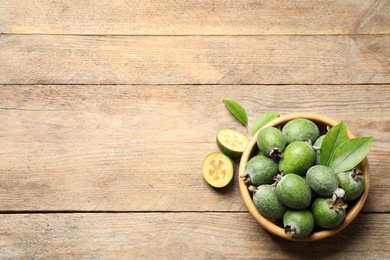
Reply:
x=263, y=119
x=238, y=111
x=350, y=153
x=336, y=135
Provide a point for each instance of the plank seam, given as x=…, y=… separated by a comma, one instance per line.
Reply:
x=197, y=35
x=197, y=84
x=140, y=212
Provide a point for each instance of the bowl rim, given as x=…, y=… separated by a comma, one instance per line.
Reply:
x=268, y=224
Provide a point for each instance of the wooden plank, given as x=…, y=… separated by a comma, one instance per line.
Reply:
x=49, y=59
x=140, y=147
x=170, y=17
x=178, y=236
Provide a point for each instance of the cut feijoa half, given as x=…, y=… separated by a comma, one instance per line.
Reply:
x=218, y=169
x=231, y=142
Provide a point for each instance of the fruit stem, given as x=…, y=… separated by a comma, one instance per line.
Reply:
x=277, y=178
x=289, y=230
x=338, y=194
x=252, y=189
x=336, y=205
x=276, y=154
x=246, y=178
x=356, y=174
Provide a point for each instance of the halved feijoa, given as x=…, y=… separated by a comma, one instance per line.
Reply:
x=231, y=142
x=218, y=169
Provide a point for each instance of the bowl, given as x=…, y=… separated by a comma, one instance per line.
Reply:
x=353, y=209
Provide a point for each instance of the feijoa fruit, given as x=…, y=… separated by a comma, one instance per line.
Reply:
x=317, y=148
x=259, y=170
x=298, y=223
x=328, y=213
x=297, y=158
x=266, y=201
x=353, y=183
x=322, y=180
x=271, y=141
x=293, y=191
x=300, y=129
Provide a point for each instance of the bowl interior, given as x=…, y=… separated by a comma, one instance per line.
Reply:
x=353, y=207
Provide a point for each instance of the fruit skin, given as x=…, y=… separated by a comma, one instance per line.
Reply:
x=222, y=165
x=317, y=148
x=293, y=191
x=300, y=129
x=322, y=180
x=235, y=136
x=259, y=170
x=298, y=223
x=353, y=183
x=266, y=201
x=270, y=140
x=297, y=158
x=263, y=119
x=327, y=213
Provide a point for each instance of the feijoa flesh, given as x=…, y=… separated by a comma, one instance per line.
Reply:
x=218, y=169
x=231, y=142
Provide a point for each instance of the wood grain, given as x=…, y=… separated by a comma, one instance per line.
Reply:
x=140, y=147
x=108, y=107
x=170, y=17
x=48, y=59
x=172, y=235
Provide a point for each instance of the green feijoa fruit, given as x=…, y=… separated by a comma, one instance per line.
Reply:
x=271, y=141
x=317, y=148
x=259, y=170
x=328, y=213
x=301, y=129
x=293, y=191
x=353, y=183
x=266, y=201
x=218, y=169
x=297, y=158
x=263, y=119
x=322, y=180
x=231, y=142
x=298, y=223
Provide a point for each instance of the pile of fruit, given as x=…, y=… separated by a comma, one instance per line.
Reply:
x=292, y=182
x=298, y=178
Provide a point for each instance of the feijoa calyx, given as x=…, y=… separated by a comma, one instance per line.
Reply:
x=298, y=223
x=259, y=170
x=266, y=201
x=293, y=191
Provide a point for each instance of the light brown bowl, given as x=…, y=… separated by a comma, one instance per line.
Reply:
x=352, y=210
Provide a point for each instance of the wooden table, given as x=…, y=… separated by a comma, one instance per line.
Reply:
x=108, y=108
